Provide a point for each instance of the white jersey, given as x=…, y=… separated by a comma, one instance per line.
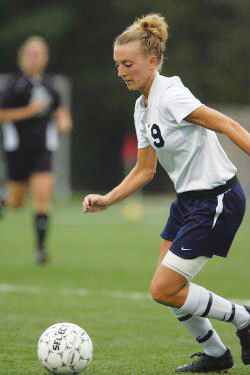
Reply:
x=190, y=154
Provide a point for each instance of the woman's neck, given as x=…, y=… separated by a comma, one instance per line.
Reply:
x=33, y=75
x=147, y=87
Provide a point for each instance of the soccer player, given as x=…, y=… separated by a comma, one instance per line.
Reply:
x=177, y=129
x=32, y=108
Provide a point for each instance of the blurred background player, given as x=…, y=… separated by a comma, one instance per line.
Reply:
x=32, y=108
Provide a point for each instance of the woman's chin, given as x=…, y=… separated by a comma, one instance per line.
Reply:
x=132, y=87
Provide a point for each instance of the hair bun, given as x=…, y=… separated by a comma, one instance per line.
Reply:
x=155, y=25
x=151, y=31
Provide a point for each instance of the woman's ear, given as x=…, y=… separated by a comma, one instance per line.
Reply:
x=153, y=61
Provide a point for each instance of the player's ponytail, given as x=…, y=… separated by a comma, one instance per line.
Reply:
x=152, y=33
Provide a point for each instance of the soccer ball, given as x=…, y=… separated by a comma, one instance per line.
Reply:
x=65, y=348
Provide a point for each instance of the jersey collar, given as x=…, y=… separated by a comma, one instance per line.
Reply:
x=152, y=91
x=153, y=88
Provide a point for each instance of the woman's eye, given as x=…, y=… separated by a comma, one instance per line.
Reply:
x=128, y=65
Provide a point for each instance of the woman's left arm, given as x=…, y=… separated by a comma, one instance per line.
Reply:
x=220, y=123
x=63, y=119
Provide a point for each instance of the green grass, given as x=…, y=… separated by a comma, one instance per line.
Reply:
x=110, y=257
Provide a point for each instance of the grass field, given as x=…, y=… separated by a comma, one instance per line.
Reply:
x=98, y=277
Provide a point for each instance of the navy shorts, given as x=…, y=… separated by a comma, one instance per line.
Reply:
x=205, y=226
x=21, y=164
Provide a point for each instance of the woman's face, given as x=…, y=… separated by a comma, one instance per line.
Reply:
x=133, y=67
x=34, y=58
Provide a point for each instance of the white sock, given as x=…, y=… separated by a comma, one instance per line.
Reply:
x=202, y=330
x=241, y=318
x=201, y=302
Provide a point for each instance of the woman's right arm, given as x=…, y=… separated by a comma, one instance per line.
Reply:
x=139, y=176
x=22, y=113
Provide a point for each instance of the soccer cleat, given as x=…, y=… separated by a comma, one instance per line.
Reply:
x=244, y=336
x=41, y=256
x=207, y=363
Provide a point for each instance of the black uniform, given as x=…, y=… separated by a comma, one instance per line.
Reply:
x=29, y=143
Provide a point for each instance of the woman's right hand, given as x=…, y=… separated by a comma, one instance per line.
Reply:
x=95, y=203
x=37, y=106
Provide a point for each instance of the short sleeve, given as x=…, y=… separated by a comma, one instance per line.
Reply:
x=178, y=102
x=141, y=134
x=7, y=96
x=142, y=140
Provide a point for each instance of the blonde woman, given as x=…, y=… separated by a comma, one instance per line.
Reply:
x=177, y=129
x=31, y=105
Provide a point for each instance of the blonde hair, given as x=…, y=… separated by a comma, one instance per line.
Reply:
x=31, y=39
x=151, y=31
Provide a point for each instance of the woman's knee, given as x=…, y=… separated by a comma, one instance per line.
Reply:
x=155, y=292
x=160, y=293
x=16, y=194
x=169, y=295
x=14, y=203
x=167, y=287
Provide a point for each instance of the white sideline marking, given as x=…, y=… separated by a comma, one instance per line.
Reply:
x=127, y=295
x=8, y=288
x=11, y=288
x=75, y=291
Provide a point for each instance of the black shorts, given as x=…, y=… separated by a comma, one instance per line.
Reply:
x=21, y=164
x=205, y=226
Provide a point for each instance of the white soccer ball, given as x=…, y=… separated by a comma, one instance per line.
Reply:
x=65, y=348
